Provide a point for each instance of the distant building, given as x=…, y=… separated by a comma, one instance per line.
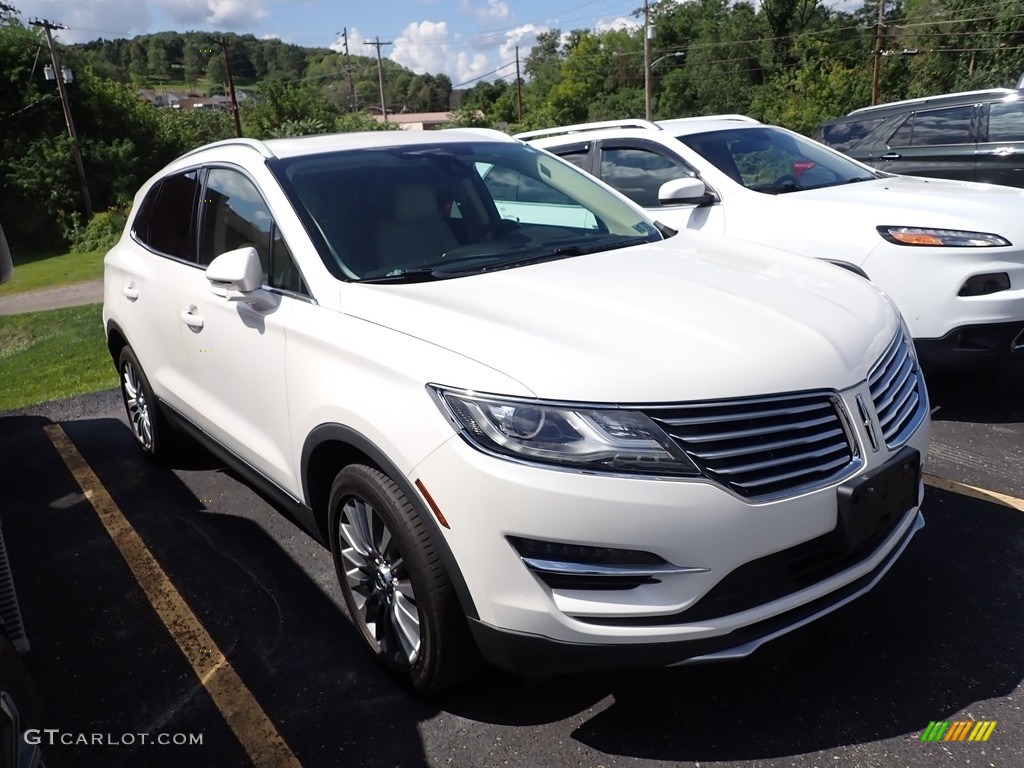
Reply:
x=420, y=121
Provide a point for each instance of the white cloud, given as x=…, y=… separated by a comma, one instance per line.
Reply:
x=224, y=13
x=88, y=21
x=621, y=22
x=424, y=46
x=525, y=37
x=356, y=44
x=493, y=12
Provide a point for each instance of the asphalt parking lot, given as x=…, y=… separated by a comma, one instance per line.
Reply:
x=941, y=638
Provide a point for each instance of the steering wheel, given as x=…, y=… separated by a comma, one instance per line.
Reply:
x=786, y=179
x=498, y=227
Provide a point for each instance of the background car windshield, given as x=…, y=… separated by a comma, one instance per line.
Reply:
x=773, y=161
x=387, y=212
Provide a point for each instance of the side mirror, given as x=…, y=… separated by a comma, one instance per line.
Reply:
x=686, y=190
x=6, y=263
x=238, y=276
x=238, y=270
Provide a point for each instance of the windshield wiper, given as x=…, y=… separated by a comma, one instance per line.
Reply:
x=415, y=275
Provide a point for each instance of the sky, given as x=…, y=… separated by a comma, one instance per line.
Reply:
x=468, y=40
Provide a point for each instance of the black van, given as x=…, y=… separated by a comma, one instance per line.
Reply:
x=972, y=136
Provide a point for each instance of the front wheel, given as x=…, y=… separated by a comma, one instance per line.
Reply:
x=396, y=589
x=151, y=432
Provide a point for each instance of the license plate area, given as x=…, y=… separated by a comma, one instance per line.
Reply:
x=874, y=501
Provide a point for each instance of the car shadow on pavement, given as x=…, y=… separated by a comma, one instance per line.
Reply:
x=942, y=632
x=989, y=396
x=105, y=664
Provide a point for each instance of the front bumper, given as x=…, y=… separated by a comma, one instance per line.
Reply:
x=972, y=345
x=527, y=623
x=533, y=655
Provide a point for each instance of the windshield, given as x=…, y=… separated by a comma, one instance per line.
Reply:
x=775, y=161
x=405, y=213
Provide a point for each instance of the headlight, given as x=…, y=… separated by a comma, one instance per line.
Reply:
x=950, y=238
x=538, y=431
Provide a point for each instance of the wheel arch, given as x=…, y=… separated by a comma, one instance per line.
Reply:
x=116, y=340
x=331, y=447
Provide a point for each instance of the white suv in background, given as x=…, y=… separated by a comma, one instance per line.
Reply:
x=562, y=441
x=949, y=253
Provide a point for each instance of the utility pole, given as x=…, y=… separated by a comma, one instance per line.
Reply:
x=519, y=90
x=58, y=73
x=352, y=105
x=231, y=87
x=877, y=67
x=647, y=60
x=380, y=76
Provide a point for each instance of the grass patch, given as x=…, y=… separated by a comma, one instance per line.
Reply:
x=49, y=271
x=52, y=355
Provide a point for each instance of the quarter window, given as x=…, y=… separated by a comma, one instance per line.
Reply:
x=1006, y=121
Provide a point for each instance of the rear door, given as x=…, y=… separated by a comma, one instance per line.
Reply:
x=1000, y=157
x=143, y=275
x=933, y=142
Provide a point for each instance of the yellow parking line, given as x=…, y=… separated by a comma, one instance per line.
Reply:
x=251, y=726
x=975, y=493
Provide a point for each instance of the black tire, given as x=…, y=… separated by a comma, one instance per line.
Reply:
x=20, y=711
x=396, y=589
x=152, y=433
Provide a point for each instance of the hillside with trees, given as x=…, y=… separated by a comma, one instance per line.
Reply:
x=791, y=62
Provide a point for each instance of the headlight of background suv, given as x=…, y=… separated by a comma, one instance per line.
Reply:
x=536, y=431
x=950, y=238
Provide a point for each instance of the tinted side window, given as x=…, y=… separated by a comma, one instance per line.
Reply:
x=577, y=157
x=843, y=136
x=508, y=185
x=639, y=173
x=935, y=127
x=166, y=218
x=235, y=216
x=1006, y=121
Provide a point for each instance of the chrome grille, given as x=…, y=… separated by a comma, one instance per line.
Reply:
x=897, y=390
x=763, y=447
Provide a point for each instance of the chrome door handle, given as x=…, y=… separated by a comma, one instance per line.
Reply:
x=192, y=320
x=891, y=156
x=130, y=292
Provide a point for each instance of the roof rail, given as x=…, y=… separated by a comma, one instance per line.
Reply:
x=735, y=117
x=580, y=127
x=927, y=99
x=256, y=144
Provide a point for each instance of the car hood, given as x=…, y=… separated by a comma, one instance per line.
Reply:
x=679, y=320
x=917, y=201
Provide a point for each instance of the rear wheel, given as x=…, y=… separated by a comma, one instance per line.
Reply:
x=151, y=432
x=395, y=587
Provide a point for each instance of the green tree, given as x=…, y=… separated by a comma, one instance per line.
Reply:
x=194, y=62
x=216, y=71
